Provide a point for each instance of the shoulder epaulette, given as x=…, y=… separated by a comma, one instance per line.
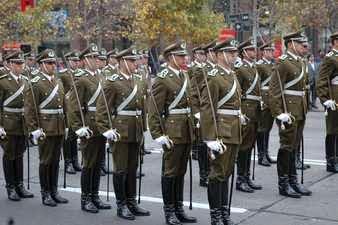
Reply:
x=24, y=77
x=331, y=53
x=282, y=57
x=35, y=79
x=113, y=77
x=163, y=73
x=3, y=76
x=63, y=70
x=79, y=73
x=238, y=64
x=35, y=72
x=213, y=72
x=259, y=62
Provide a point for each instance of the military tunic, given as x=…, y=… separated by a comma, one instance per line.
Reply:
x=225, y=94
x=327, y=88
x=49, y=100
x=265, y=121
x=88, y=86
x=249, y=80
x=176, y=119
x=11, y=114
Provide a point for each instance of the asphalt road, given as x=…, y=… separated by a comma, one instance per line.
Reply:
x=264, y=207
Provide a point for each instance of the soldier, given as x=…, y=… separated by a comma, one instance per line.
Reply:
x=83, y=98
x=70, y=143
x=171, y=125
x=44, y=102
x=197, y=81
x=30, y=66
x=120, y=118
x=251, y=105
x=327, y=91
x=13, y=140
x=265, y=121
x=221, y=125
x=288, y=105
x=211, y=57
x=102, y=60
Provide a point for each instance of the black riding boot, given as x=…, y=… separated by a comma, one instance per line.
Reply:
x=179, y=211
x=75, y=157
x=86, y=190
x=262, y=159
x=168, y=194
x=203, y=164
x=248, y=179
x=54, y=178
x=119, y=181
x=298, y=160
x=215, y=193
x=9, y=172
x=299, y=188
x=20, y=188
x=241, y=183
x=225, y=202
x=131, y=196
x=45, y=186
x=283, y=167
x=331, y=150
x=68, y=157
x=95, y=191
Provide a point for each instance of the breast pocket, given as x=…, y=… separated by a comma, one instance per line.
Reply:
x=121, y=127
x=224, y=127
x=174, y=128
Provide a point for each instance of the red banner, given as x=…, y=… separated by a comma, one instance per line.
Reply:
x=25, y=4
x=226, y=33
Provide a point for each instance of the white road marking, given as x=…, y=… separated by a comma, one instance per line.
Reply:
x=156, y=200
x=315, y=162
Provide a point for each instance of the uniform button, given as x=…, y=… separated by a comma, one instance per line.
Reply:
x=59, y=99
x=60, y=106
x=45, y=93
x=171, y=121
x=5, y=115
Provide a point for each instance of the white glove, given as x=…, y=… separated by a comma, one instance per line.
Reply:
x=2, y=132
x=330, y=104
x=164, y=140
x=36, y=135
x=284, y=117
x=66, y=133
x=198, y=117
x=112, y=135
x=214, y=145
x=84, y=132
x=244, y=119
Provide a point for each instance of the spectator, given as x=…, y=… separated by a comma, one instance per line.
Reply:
x=313, y=73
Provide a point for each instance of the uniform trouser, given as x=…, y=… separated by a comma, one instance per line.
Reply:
x=125, y=163
x=245, y=149
x=331, y=143
x=70, y=147
x=265, y=124
x=49, y=155
x=92, y=150
x=289, y=139
x=14, y=147
x=203, y=160
x=174, y=167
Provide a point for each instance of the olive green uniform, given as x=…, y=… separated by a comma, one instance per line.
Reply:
x=175, y=120
x=70, y=142
x=125, y=99
x=291, y=72
x=45, y=110
x=88, y=88
x=249, y=80
x=327, y=88
x=197, y=80
x=265, y=121
x=12, y=120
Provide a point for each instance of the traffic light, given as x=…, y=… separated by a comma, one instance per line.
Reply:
x=25, y=4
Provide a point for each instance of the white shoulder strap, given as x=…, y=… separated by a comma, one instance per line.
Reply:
x=50, y=97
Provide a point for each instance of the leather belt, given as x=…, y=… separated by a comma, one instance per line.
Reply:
x=230, y=112
x=254, y=97
x=13, y=110
x=129, y=113
x=294, y=93
x=179, y=111
x=51, y=111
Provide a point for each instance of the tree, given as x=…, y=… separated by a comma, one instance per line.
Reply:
x=157, y=22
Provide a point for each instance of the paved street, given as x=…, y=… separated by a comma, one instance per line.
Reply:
x=262, y=207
